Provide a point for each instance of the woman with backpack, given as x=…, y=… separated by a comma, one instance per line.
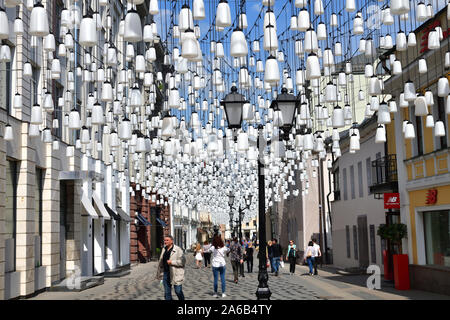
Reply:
x=291, y=256
x=218, y=263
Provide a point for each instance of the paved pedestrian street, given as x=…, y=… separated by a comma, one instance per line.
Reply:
x=328, y=285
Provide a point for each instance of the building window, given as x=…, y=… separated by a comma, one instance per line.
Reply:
x=35, y=86
x=5, y=84
x=441, y=142
x=437, y=237
x=355, y=242
x=344, y=180
x=352, y=181
x=347, y=238
x=369, y=174
x=336, y=187
x=39, y=187
x=360, y=180
x=419, y=134
x=373, y=248
x=12, y=173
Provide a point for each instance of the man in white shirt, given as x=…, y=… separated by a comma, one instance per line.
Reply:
x=317, y=254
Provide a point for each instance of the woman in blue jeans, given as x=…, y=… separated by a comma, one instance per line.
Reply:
x=218, y=263
x=309, y=256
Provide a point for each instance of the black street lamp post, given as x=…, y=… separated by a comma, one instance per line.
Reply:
x=286, y=103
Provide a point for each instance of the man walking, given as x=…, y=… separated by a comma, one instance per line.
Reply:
x=276, y=251
x=236, y=258
x=317, y=255
x=171, y=268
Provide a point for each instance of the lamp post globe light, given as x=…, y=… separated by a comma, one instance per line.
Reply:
x=233, y=104
x=286, y=103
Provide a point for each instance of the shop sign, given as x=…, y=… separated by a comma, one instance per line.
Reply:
x=431, y=196
x=392, y=200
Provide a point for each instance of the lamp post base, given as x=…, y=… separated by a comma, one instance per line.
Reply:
x=263, y=291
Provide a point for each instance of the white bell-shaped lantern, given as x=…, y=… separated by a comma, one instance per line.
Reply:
x=409, y=91
x=423, y=66
x=38, y=25
x=409, y=130
x=443, y=87
x=318, y=7
x=401, y=42
x=270, y=38
x=439, y=129
x=311, y=42
x=412, y=40
x=97, y=114
x=132, y=27
x=88, y=32
x=397, y=67
x=434, y=41
x=107, y=92
x=189, y=49
x=125, y=129
x=358, y=25
x=272, y=72
x=5, y=53
x=18, y=103
x=238, y=46
x=429, y=121
x=185, y=18
x=74, y=120
x=380, y=136
x=399, y=7
x=8, y=134
x=384, y=116
x=354, y=142
x=199, y=10
x=36, y=114
x=18, y=27
x=350, y=6
x=338, y=117
x=153, y=7
x=242, y=142
x=312, y=67
x=4, y=25
x=223, y=14
x=421, y=108
x=304, y=21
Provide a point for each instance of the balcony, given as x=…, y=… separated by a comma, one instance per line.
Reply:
x=384, y=174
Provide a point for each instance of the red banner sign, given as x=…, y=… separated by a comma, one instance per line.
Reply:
x=431, y=196
x=392, y=200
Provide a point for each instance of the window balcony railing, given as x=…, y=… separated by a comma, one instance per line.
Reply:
x=384, y=174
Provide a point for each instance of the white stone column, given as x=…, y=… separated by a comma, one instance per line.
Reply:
x=25, y=263
x=51, y=218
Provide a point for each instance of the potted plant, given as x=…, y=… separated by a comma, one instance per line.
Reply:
x=395, y=233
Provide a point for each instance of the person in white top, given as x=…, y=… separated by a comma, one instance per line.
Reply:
x=218, y=263
x=317, y=256
x=309, y=257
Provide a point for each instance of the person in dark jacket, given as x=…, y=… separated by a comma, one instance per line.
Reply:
x=270, y=255
x=236, y=257
x=276, y=251
x=249, y=257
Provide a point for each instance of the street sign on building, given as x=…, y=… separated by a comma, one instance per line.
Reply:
x=391, y=201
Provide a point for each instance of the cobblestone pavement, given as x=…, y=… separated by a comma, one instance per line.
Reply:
x=198, y=285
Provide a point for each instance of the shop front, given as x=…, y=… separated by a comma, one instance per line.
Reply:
x=430, y=233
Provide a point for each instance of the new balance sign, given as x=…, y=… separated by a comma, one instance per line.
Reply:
x=392, y=201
